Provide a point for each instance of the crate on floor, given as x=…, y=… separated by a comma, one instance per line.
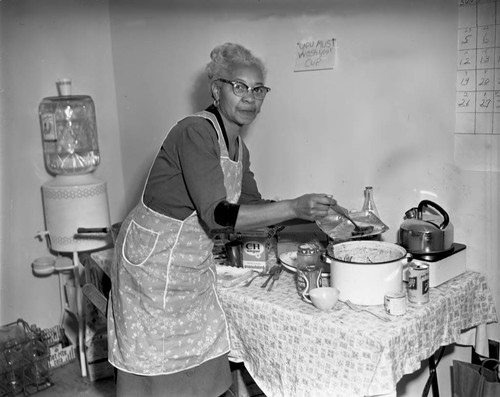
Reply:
x=24, y=360
x=61, y=351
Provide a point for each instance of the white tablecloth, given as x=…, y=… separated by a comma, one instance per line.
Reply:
x=292, y=349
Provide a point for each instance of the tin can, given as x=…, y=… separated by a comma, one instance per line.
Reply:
x=395, y=303
x=308, y=277
x=308, y=270
x=418, y=283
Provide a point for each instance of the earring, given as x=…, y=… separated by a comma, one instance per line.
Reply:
x=216, y=102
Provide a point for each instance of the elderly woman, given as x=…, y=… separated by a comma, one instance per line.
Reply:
x=168, y=334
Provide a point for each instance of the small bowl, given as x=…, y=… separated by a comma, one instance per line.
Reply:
x=324, y=298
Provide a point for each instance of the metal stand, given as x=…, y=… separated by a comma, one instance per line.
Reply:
x=80, y=314
x=432, y=382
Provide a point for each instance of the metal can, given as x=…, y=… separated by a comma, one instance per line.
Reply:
x=395, y=303
x=308, y=277
x=308, y=270
x=418, y=283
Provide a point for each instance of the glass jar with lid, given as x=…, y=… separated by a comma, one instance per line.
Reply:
x=69, y=132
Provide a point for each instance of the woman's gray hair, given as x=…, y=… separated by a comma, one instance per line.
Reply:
x=226, y=56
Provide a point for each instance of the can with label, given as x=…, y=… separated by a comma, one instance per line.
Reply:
x=309, y=271
x=308, y=277
x=395, y=303
x=418, y=283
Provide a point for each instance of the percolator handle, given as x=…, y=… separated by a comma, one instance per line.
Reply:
x=428, y=203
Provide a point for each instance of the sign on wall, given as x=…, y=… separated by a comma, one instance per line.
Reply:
x=477, y=126
x=315, y=54
x=478, y=68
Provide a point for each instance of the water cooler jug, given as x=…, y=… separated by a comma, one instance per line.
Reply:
x=75, y=197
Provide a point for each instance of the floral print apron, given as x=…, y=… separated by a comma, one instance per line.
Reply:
x=164, y=315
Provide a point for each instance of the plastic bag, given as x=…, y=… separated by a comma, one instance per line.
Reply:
x=471, y=380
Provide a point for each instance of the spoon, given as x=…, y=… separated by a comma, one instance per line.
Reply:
x=358, y=230
x=356, y=308
x=253, y=278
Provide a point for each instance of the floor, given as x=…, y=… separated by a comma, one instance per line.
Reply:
x=68, y=382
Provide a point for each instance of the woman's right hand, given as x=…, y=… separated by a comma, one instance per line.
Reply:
x=310, y=207
x=313, y=206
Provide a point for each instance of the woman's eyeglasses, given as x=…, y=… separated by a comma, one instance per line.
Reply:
x=240, y=89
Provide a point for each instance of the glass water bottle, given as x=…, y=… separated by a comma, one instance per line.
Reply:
x=69, y=133
x=369, y=202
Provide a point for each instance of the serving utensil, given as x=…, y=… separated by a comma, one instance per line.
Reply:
x=336, y=226
x=358, y=230
x=273, y=270
x=276, y=276
x=253, y=278
x=357, y=308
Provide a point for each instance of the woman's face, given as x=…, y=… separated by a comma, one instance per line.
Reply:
x=242, y=110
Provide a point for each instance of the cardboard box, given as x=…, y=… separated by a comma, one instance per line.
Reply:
x=61, y=351
x=96, y=353
x=60, y=355
x=96, y=344
x=256, y=247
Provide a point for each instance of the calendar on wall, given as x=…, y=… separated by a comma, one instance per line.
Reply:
x=478, y=67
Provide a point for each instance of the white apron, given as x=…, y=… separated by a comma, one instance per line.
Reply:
x=164, y=315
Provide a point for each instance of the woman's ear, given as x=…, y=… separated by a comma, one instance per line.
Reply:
x=215, y=88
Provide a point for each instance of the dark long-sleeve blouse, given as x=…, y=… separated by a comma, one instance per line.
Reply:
x=186, y=175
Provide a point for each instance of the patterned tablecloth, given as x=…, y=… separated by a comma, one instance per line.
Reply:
x=292, y=349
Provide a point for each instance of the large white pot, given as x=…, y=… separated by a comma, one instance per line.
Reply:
x=365, y=271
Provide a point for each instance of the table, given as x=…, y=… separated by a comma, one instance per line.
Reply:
x=291, y=349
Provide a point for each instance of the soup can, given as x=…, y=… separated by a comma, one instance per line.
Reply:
x=309, y=270
x=308, y=277
x=395, y=303
x=418, y=283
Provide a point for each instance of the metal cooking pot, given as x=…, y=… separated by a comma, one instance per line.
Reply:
x=420, y=234
x=365, y=271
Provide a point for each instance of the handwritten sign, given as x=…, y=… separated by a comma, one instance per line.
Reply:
x=315, y=55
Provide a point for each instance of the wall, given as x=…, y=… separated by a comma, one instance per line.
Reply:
x=42, y=41
x=384, y=116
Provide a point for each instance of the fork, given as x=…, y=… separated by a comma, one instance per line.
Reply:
x=357, y=308
x=276, y=276
x=273, y=270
